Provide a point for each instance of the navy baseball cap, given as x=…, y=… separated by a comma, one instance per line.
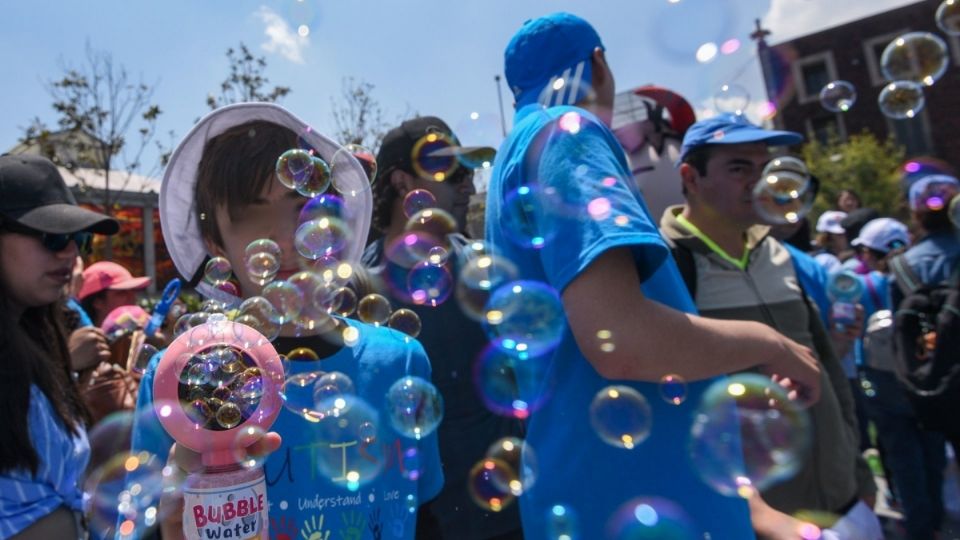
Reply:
x=548, y=60
x=729, y=128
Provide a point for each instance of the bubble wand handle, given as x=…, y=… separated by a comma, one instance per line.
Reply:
x=170, y=294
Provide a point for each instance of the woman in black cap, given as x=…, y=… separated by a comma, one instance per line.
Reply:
x=43, y=443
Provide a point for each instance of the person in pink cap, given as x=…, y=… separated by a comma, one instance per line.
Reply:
x=107, y=286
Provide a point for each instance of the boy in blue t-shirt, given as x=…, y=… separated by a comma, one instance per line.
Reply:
x=629, y=317
x=219, y=194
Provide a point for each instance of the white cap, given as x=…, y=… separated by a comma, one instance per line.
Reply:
x=829, y=222
x=178, y=214
x=883, y=234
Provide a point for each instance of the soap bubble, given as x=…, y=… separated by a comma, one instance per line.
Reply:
x=326, y=236
x=482, y=275
x=262, y=260
x=294, y=165
x=344, y=302
x=522, y=460
x=497, y=376
x=901, y=99
x=524, y=220
x=838, y=96
x=330, y=390
x=429, y=284
x=374, y=309
x=406, y=321
x=414, y=406
x=774, y=434
x=731, y=98
x=434, y=156
x=316, y=181
x=621, y=416
x=651, y=518
x=563, y=523
x=285, y=298
x=297, y=395
x=783, y=194
x=483, y=484
x=340, y=457
x=673, y=389
x=525, y=317
x=920, y=57
x=417, y=200
x=217, y=271
x=258, y=313
x=948, y=17
x=327, y=205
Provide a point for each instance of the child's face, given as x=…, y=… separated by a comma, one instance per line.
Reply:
x=274, y=216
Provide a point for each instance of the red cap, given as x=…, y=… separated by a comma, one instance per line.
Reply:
x=104, y=275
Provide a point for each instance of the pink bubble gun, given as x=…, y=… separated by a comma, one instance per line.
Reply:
x=216, y=390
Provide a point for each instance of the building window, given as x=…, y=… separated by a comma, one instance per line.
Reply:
x=912, y=133
x=824, y=128
x=812, y=73
x=873, y=50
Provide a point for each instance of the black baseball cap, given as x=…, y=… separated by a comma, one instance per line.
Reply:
x=855, y=221
x=33, y=194
x=440, y=153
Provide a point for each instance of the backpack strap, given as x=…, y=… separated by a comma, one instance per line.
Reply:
x=874, y=295
x=687, y=266
x=907, y=279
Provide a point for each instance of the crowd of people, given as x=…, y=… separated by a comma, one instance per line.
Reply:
x=607, y=303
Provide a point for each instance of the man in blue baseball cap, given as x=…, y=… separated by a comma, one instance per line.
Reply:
x=563, y=207
x=736, y=270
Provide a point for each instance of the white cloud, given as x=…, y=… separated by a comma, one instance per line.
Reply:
x=788, y=19
x=281, y=38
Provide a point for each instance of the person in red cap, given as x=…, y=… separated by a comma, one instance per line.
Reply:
x=107, y=286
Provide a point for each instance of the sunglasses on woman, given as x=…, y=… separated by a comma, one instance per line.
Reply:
x=55, y=242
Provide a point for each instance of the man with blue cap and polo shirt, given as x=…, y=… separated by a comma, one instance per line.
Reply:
x=563, y=207
x=736, y=270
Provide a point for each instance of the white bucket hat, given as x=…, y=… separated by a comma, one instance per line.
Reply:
x=178, y=214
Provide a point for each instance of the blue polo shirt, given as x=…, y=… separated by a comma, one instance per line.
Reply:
x=593, y=206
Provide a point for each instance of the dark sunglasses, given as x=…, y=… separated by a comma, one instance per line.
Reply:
x=55, y=242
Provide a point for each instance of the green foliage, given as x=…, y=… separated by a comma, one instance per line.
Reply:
x=864, y=164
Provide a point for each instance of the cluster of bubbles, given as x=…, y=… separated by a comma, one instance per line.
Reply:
x=220, y=386
x=124, y=487
x=507, y=470
x=909, y=63
x=785, y=191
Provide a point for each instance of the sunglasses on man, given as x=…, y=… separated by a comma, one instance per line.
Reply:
x=54, y=242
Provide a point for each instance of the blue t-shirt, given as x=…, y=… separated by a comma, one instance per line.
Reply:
x=583, y=177
x=303, y=501
x=26, y=497
x=81, y=313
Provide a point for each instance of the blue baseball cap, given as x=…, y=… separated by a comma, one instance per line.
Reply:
x=729, y=128
x=933, y=192
x=548, y=60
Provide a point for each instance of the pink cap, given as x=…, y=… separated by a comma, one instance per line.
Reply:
x=104, y=275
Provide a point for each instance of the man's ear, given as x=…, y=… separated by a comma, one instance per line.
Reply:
x=598, y=69
x=689, y=176
x=402, y=182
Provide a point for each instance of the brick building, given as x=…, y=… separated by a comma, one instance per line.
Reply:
x=795, y=71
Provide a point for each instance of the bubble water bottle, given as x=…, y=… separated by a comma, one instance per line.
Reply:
x=216, y=391
x=844, y=289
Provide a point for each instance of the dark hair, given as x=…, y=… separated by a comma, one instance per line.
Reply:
x=853, y=194
x=800, y=238
x=698, y=158
x=88, y=301
x=236, y=166
x=934, y=221
x=383, y=196
x=33, y=351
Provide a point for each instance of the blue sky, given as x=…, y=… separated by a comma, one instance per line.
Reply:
x=429, y=56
